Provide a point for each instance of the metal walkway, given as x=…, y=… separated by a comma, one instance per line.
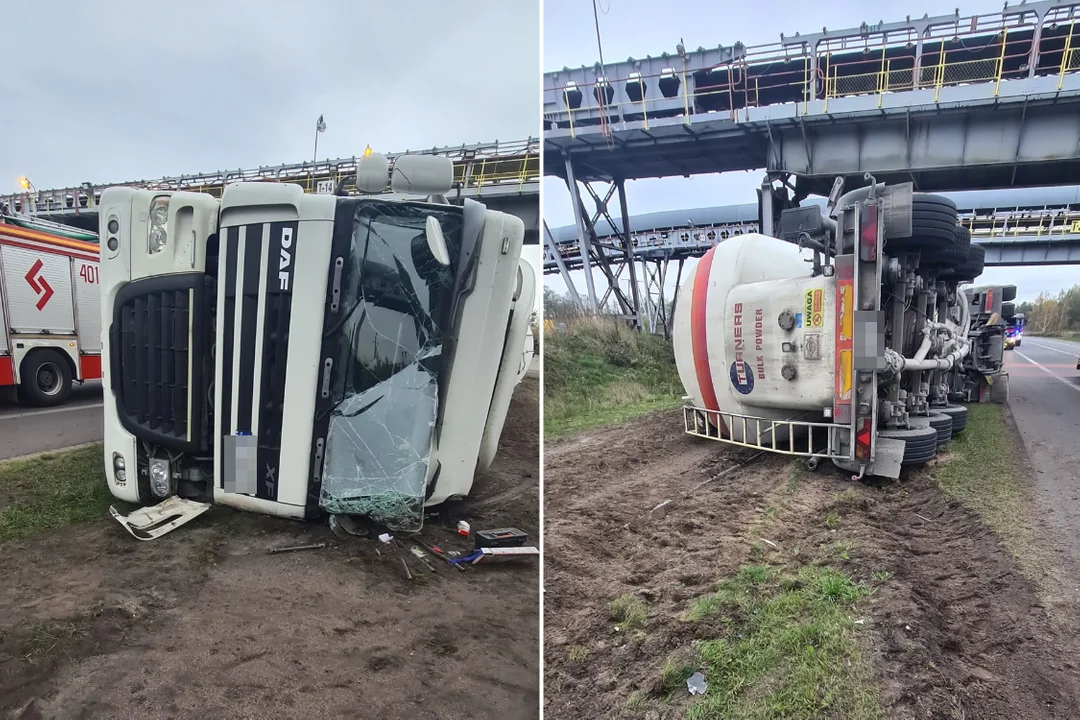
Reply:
x=505, y=175
x=949, y=103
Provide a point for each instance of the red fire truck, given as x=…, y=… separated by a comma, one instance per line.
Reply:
x=50, y=311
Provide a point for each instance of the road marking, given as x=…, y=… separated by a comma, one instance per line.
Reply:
x=1063, y=352
x=36, y=413
x=1048, y=371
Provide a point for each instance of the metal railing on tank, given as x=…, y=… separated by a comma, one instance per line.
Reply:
x=785, y=437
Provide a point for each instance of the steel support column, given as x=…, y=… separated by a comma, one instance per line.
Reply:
x=628, y=245
x=550, y=242
x=584, y=239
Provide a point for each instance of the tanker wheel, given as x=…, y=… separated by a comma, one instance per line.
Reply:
x=46, y=378
x=920, y=444
x=959, y=415
x=932, y=202
x=1008, y=310
x=950, y=257
x=933, y=225
x=973, y=268
x=944, y=425
x=1008, y=292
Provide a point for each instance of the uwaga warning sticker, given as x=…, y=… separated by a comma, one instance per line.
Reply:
x=812, y=310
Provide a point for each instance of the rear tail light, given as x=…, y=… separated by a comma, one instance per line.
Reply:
x=868, y=233
x=862, y=438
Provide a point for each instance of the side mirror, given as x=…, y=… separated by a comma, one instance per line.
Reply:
x=422, y=175
x=371, y=173
x=435, y=241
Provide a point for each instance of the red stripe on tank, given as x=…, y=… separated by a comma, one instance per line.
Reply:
x=698, y=328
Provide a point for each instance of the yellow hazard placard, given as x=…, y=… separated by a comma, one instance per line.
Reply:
x=812, y=308
x=1075, y=227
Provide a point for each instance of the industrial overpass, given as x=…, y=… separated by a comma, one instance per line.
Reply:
x=949, y=103
x=504, y=175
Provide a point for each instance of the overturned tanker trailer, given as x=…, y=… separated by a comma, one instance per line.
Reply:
x=842, y=340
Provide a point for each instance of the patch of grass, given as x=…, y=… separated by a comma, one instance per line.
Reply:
x=46, y=638
x=832, y=521
x=598, y=372
x=51, y=491
x=980, y=472
x=628, y=611
x=636, y=702
x=792, y=653
x=578, y=653
x=679, y=666
x=882, y=575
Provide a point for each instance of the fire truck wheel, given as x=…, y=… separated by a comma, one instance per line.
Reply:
x=920, y=444
x=959, y=415
x=46, y=378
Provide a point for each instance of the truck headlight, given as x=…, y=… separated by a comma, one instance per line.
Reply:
x=160, y=478
x=157, y=234
x=119, y=471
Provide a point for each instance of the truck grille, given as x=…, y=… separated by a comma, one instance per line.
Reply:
x=159, y=325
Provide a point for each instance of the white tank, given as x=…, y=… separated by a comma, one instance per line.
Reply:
x=732, y=349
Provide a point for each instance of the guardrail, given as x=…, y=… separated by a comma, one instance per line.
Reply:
x=475, y=168
x=1036, y=39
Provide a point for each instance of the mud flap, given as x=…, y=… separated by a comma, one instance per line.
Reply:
x=148, y=523
x=888, y=455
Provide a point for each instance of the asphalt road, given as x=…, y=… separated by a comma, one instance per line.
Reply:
x=26, y=430
x=1044, y=396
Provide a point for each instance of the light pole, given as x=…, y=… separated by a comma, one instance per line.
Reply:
x=320, y=126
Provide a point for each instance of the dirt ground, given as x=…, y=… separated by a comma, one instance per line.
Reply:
x=955, y=631
x=205, y=623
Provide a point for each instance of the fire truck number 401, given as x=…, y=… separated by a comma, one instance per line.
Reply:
x=88, y=273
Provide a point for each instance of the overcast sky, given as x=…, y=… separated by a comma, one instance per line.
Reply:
x=117, y=90
x=635, y=28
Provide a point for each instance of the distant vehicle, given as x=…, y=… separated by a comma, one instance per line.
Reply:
x=1014, y=331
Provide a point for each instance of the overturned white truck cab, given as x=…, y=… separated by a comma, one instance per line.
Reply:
x=300, y=354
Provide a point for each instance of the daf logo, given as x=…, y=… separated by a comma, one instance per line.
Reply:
x=285, y=260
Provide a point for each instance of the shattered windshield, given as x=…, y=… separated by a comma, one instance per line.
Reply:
x=389, y=342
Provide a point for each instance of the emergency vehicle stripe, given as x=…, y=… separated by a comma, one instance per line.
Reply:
x=698, y=330
x=248, y=317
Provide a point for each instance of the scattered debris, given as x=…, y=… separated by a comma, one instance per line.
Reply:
x=386, y=538
x=696, y=684
x=770, y=542
x=463, y=528
x=147, y=523
x=924, y=519
x=498, y=555
x=501, y=537
x=437, y=551
x=296, y=548
x=419, y=553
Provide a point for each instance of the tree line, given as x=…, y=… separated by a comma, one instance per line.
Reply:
x=1049, y=315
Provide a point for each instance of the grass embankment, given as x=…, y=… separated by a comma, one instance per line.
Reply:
x=52, y=490
x=599, y=371
x=779, y=638
x=979, y=469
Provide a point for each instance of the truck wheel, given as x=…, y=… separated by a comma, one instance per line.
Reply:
x=959, y=415
x=944, y=426
x=1008, y=292
x=951, y=256
x=920, y=444
x=1008, y=310
x=46, y=378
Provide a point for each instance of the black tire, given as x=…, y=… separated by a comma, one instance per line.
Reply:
x=1008, y=293
x=920, y=444
x=1008, y=310
x=46, y=378
x=943, y=424
x=1018, y=343
x=952, y=256
x=920, y=201
x=973, y=268
x=959, y=415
